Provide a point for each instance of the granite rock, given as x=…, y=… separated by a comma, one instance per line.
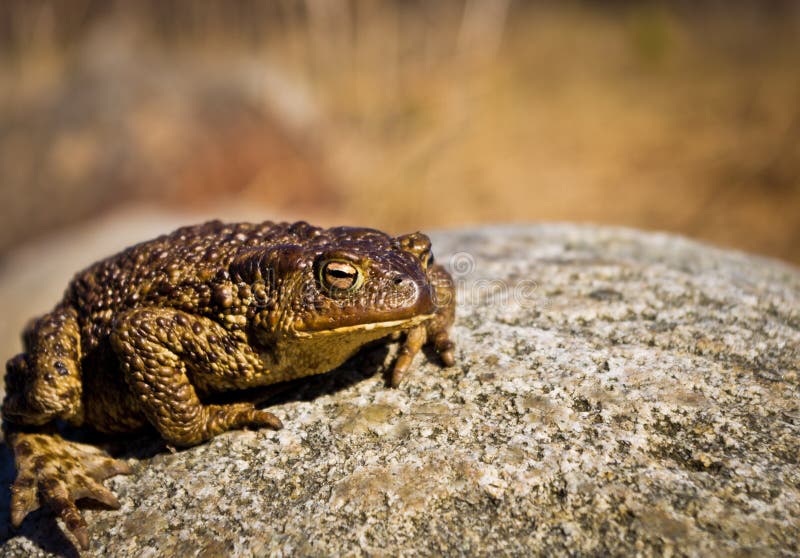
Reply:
x=615, y=393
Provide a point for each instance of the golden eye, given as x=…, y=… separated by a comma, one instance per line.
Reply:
x=340, y=276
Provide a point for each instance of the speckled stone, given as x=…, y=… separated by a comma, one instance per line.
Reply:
x=615, y=392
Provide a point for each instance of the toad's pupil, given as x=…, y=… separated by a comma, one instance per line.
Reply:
x=340, y=275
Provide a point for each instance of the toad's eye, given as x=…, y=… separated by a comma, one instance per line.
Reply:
x=427, y=259
x=340, y=276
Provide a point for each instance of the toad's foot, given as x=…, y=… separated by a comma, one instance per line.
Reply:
x=55, y=473
x=444, y=347
x=434, y=331
x=415, y=339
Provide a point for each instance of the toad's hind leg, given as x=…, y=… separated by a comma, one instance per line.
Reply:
x=166, y=355
x=44, y=382
x=55, y=473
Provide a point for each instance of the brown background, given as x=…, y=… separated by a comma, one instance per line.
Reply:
x=678, y=116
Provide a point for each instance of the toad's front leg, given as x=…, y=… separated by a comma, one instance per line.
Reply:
x=168, y=355
x=435, y=331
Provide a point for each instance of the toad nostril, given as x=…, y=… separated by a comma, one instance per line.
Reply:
x=398, y=280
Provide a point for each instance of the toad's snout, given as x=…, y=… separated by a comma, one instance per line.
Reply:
x=411, y=295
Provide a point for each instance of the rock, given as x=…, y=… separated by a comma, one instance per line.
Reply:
x=615, y=393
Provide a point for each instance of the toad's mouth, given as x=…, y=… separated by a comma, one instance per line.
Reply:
x=387, y=326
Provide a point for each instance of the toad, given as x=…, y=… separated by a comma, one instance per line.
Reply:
x=146, y=336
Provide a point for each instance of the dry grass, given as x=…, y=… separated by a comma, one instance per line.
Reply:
x=400, y=116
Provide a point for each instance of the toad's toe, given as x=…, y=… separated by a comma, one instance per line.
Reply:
x=23, y=498
x=101, y=467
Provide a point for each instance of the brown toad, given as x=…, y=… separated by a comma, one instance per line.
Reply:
x=145, y=335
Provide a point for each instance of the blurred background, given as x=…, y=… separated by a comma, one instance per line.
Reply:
x=681, y=116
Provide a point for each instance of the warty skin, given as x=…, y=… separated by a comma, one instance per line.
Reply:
x=141, y=338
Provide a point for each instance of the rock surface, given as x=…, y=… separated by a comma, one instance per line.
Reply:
x=615, y=392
